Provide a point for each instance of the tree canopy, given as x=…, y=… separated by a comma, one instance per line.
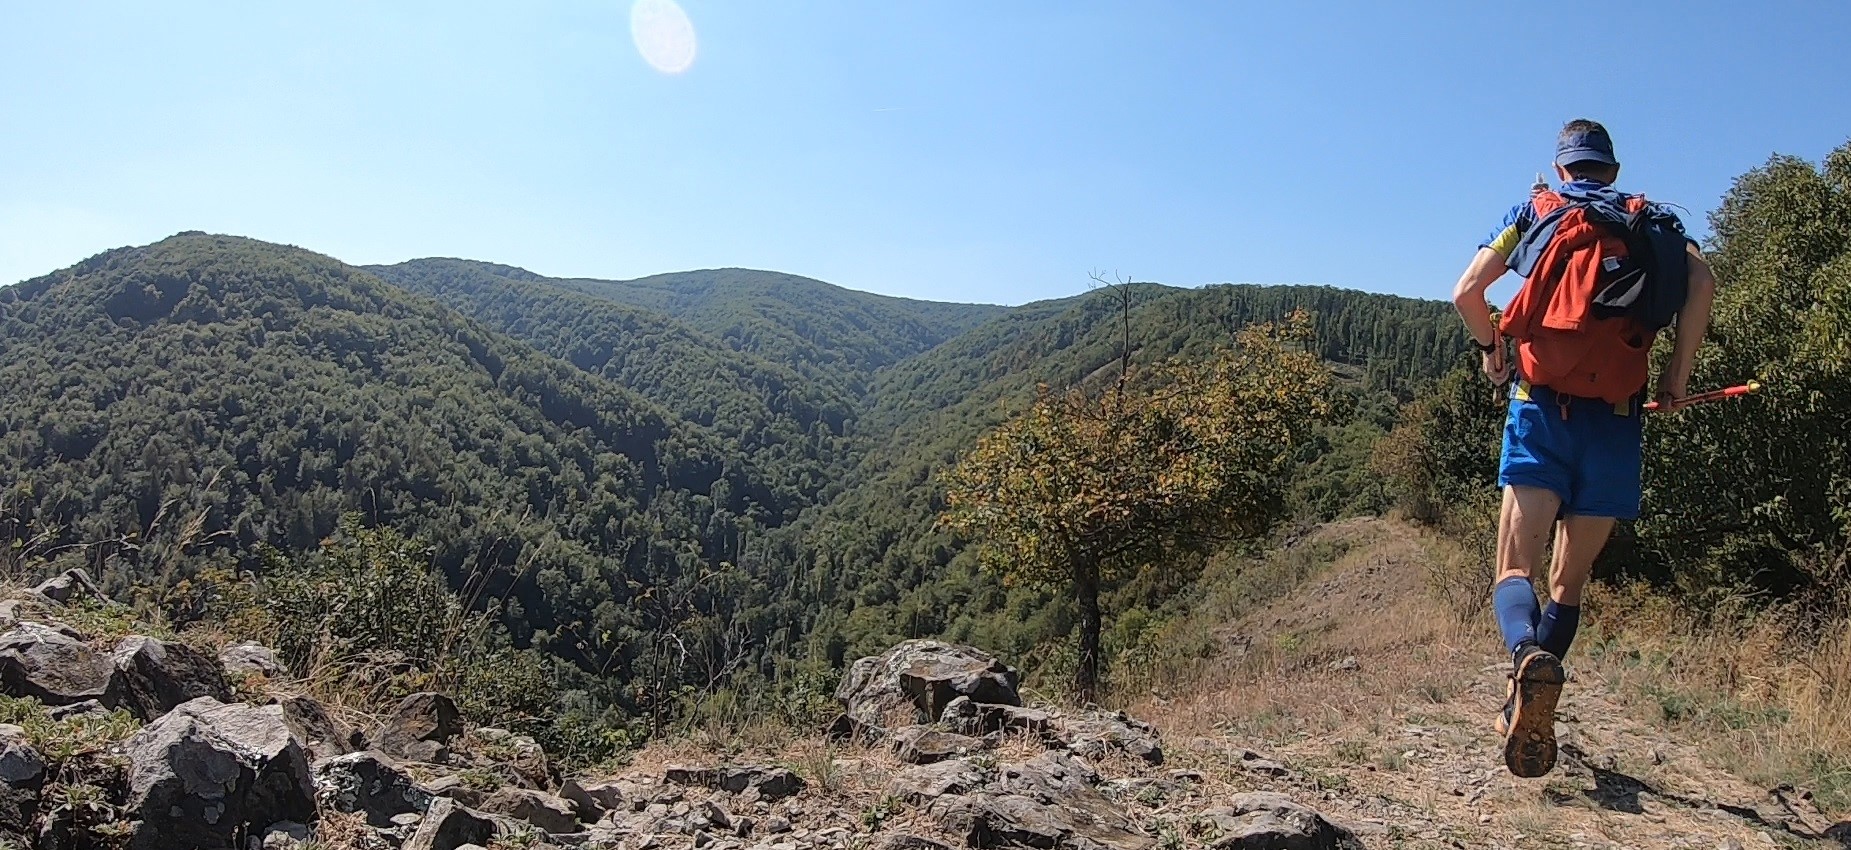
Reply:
x=1086, y=486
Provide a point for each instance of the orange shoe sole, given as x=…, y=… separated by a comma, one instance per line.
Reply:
x=1529, y=743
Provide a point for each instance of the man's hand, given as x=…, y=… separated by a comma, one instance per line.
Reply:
x=1672, y=391
x=1496, y=364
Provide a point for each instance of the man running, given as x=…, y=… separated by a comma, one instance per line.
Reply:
x=1570, y=464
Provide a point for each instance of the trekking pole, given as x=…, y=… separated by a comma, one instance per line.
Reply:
x=1714, y=395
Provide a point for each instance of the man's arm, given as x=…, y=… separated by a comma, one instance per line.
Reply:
x=1692, y=323
x=1469, y=298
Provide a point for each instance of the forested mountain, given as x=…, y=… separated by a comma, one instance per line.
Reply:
x=739, y=473
x=830, y=333
x=880, y=568
x=198, y=398
x=788, y=422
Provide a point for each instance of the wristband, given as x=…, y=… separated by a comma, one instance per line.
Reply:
x=1485, y=347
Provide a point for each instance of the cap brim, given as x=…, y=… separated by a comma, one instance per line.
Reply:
x=1566, y=158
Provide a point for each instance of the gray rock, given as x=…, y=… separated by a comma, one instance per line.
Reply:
x=26, y=606
x=925, y=745
x=448, y=825
x=71, y=585
x=593, y=798
x=318, y=731
x=1095, y=733
x=768, y=783
x=76, y=709
x=777, y=825
x=420, y=728
x=925, y=783
x=156, y=675
x=967, y=717
x=452, y=786
x=285, y=835
x=1047, y=801
x=1253, y=762
x=22, y=776
x=903, y=841
x=1266, y=821
x=517, y=754
x=54, y=668
x=915, y=680
x=1346, y=664
x=369, y=783
x=541, y=809
x=716, y=814
x=206, y=772
x=243, y=659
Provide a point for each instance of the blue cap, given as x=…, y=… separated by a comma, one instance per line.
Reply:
x=1585, y=146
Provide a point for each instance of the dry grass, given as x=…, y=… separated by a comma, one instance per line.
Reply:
x=344, y=831
x=1765, y=698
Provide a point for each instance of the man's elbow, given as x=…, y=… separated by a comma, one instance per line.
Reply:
x=1700, y=279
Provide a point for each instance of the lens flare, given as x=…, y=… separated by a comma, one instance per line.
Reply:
x=663, y=35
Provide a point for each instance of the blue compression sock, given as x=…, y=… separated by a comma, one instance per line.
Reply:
x=1558, y=627
x=1515, y=604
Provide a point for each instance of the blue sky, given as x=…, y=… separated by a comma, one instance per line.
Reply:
x=994, y=152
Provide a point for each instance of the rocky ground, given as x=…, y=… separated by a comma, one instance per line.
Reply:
x=1317, y=728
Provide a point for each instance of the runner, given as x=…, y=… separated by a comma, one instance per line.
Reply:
x=1593, y=299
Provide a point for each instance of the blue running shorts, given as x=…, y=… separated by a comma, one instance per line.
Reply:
x=1587, y=451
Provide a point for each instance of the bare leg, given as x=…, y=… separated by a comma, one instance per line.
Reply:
x=1528, y=719
x=1578, y=542
x=1524, y=523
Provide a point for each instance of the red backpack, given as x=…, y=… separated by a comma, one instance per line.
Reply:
x=1575, y=261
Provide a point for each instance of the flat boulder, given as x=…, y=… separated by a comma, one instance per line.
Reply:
x=544, y=811
x=593, y=798
x=421, y=728
x=1047, y=801
x=206, y=773
x=1096, y=733
x=925, y=783
x=154, y=675
x=371, y=784
x=248, y=658
x=914, y=682
x=69, y=587
x=967, y=717
x=765, y=783
x=55, y=668
x=1267, y=821
x=925, y=745
x=449, y=825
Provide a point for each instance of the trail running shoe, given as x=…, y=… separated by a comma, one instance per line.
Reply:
x=1502, y=724
x=1529, y=721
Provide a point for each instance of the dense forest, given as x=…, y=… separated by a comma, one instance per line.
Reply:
x=665, y=485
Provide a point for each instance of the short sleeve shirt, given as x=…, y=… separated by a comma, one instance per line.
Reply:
x=1522, y=217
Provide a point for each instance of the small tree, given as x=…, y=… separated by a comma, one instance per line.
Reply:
x=1084, y=487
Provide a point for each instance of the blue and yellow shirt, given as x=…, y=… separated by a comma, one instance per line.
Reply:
x=1523, y=216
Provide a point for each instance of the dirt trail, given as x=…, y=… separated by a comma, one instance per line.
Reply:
x=1378, y=707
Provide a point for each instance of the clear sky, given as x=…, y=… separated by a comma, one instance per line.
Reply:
x=975, y=151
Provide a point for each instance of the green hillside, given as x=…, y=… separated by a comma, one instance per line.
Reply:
x=788, y=423
x=824, y=330
x=194, y=400
x=744, y=471
x=878, y=569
